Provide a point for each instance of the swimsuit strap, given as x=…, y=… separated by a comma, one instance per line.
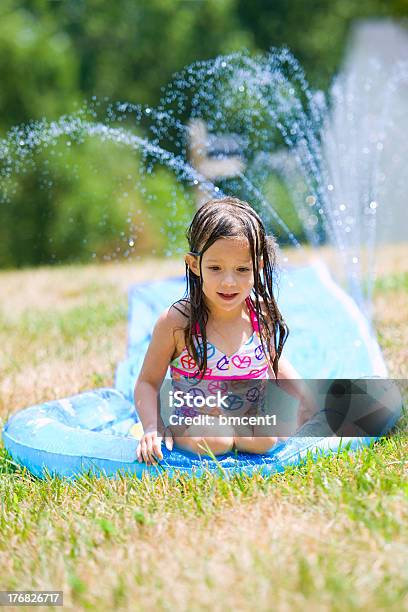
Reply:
x=252, y=314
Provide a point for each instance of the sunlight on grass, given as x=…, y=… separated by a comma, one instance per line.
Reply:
x=328, y=535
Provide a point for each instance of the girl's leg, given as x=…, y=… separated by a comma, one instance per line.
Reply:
x=198, y=439
x=255, y=444
x=255, y=439
x=258, y=438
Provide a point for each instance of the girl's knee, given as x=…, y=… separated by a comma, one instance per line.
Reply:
x=255, y=444
x=222, y=445
x=266, y=443
x=206, y=445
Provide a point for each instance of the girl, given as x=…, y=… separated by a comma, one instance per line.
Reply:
x=219, y=335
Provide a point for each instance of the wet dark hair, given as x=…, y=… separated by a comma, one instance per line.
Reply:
x=231, y=218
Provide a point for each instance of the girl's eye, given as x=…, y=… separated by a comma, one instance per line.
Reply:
x=218, y=268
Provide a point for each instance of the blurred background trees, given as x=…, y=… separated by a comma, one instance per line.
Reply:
x=56, y=55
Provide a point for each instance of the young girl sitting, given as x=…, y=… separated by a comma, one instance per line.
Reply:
x=227, y=331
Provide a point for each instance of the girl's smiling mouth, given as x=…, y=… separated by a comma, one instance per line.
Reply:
x=227, y=296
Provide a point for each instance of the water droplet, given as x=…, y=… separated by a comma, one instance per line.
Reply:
x=373, y=205
x=342, y=207
x=355, y=260
x=330, y=187
x=131, y=243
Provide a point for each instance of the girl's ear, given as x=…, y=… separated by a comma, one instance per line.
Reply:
x=193, y=263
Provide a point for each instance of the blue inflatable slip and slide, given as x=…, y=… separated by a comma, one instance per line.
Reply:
x=98, y=430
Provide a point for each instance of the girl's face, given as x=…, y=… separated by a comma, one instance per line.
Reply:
x=227, y=272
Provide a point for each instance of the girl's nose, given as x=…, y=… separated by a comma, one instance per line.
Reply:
x=228, y=280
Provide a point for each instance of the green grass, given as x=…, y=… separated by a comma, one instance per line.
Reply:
x=391, y=283
x=335, y=519
x=328, y=535
x=64, y=330
x=83, y=320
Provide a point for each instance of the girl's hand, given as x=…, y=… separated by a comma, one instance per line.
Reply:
x=149, y=448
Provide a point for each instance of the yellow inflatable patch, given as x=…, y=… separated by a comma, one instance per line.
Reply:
x=136, y=431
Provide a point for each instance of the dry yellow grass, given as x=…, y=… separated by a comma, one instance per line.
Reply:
x=389, y=258
x=64, y=287
x=331, y=536
x=43, y=366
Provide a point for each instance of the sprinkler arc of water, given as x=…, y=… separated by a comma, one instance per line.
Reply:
x=331, y=202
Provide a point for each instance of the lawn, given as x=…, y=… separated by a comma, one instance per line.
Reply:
x=330, y=535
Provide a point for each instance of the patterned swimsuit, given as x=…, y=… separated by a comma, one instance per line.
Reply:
x=236, y=375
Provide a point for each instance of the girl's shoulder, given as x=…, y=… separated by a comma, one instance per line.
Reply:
x=178, y=315
x=173, y=318
x=179, y=312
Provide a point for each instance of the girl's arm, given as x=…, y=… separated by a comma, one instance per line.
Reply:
x=150, y=379
x=296, y=386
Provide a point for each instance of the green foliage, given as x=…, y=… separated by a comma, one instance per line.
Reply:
x=170, y=208
x=87, y=201
x=277, y=194
x=128, y=50
x=38, y=66
x=53, y=55
x=314, y=30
